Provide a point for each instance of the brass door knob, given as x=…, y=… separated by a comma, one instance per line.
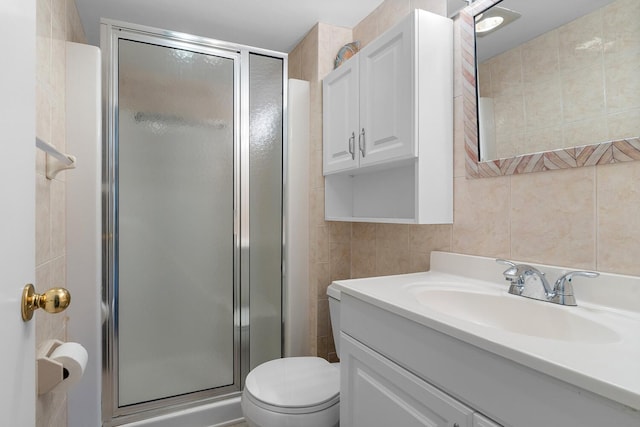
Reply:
x=54, y=300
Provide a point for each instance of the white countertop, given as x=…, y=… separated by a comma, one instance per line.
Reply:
x=608, y=367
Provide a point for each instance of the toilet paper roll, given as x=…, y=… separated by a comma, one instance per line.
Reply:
x=73, y=358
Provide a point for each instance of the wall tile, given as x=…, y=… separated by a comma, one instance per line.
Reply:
x=509, y=113
x=543, y=140
x=51, y=410
x=322, y=276
x=43, y=41
x=543, y=103
x=540, y=58
x=580, y=42
x=621, y=27
x=583, y=132
x=553, y=217
x=316, y=179
x=323, y=317
x=316, y=206
x=322, y=347
x=295, y=63
x=319, y=244
x=339, y=231
x=484, y=80
x=583, y=93
x=392, y=249
x=43, y=220
x=43, y=282
x=618, y=219
x=418, y=262
x=427, y=238
x=623, y=125
x=481, y=216
x=506, y=73
x=508, y=142
x=459, y=153
x=622, y=74
x=309, y=55
x=58, y=218
x=367, y=29
x=391, y=12
x=363, y=250
x=340, y=260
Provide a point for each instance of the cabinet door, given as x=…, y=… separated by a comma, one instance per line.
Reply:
x=386, y=97
x=340, y=118
x=482, y=421
x=376, y=392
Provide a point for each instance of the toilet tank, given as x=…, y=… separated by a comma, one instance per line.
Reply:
x=334, y=313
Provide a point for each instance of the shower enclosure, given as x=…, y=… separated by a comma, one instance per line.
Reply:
x=193, y=192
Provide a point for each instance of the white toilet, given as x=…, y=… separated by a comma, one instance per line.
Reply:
x=296, y=391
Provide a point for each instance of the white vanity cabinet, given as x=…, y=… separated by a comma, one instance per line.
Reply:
x=381, y=393
x=388, y=127
x=396, y=371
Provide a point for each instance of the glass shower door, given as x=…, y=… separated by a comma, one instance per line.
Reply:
x=176, y=275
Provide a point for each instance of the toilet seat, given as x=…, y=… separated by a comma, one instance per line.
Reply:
x=294, y=385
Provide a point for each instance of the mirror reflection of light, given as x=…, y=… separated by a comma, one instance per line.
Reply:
x=489, y=23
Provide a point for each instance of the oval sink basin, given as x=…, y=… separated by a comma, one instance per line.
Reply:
x=516, y=314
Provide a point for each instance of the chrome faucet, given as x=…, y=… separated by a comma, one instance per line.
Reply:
x=523, y=277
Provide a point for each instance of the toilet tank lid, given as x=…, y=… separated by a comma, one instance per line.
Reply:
x=333, y=292
x=294, y=382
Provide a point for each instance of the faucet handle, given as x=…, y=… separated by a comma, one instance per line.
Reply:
x=563, y=289
x=505, y=262
x=514, y=275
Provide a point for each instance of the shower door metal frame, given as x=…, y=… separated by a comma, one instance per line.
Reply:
x=111, y=32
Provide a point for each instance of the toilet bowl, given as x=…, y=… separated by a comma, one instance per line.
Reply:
x=296, y=391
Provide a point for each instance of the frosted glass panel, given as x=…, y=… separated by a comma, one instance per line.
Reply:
x=265, y=99
x=175, y=222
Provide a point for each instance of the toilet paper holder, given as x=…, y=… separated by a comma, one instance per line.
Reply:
x=50, y=372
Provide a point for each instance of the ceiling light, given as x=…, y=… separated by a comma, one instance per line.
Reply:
x=488, y=24
x=493, y=19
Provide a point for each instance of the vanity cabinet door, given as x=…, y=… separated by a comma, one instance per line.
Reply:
x=482, y=421
x=386, y=98
x=376, y=392
x=340, y=118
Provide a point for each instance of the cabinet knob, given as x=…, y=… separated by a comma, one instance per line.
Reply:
x=361, y=143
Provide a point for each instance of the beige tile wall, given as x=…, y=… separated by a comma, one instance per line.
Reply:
x=578, y=84
x=582, y=218
x=57, y=22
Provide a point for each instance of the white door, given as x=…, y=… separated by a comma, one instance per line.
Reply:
x=386, y=98
x=17, y=209
x=340, y=118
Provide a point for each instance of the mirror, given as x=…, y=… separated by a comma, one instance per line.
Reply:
x=556, y=90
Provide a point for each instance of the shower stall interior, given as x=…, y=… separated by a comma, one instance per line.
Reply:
x=193, y=218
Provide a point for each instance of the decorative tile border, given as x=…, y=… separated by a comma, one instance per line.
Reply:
x=624, y=150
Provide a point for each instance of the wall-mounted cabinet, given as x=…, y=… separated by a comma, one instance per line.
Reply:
x=388, y=127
